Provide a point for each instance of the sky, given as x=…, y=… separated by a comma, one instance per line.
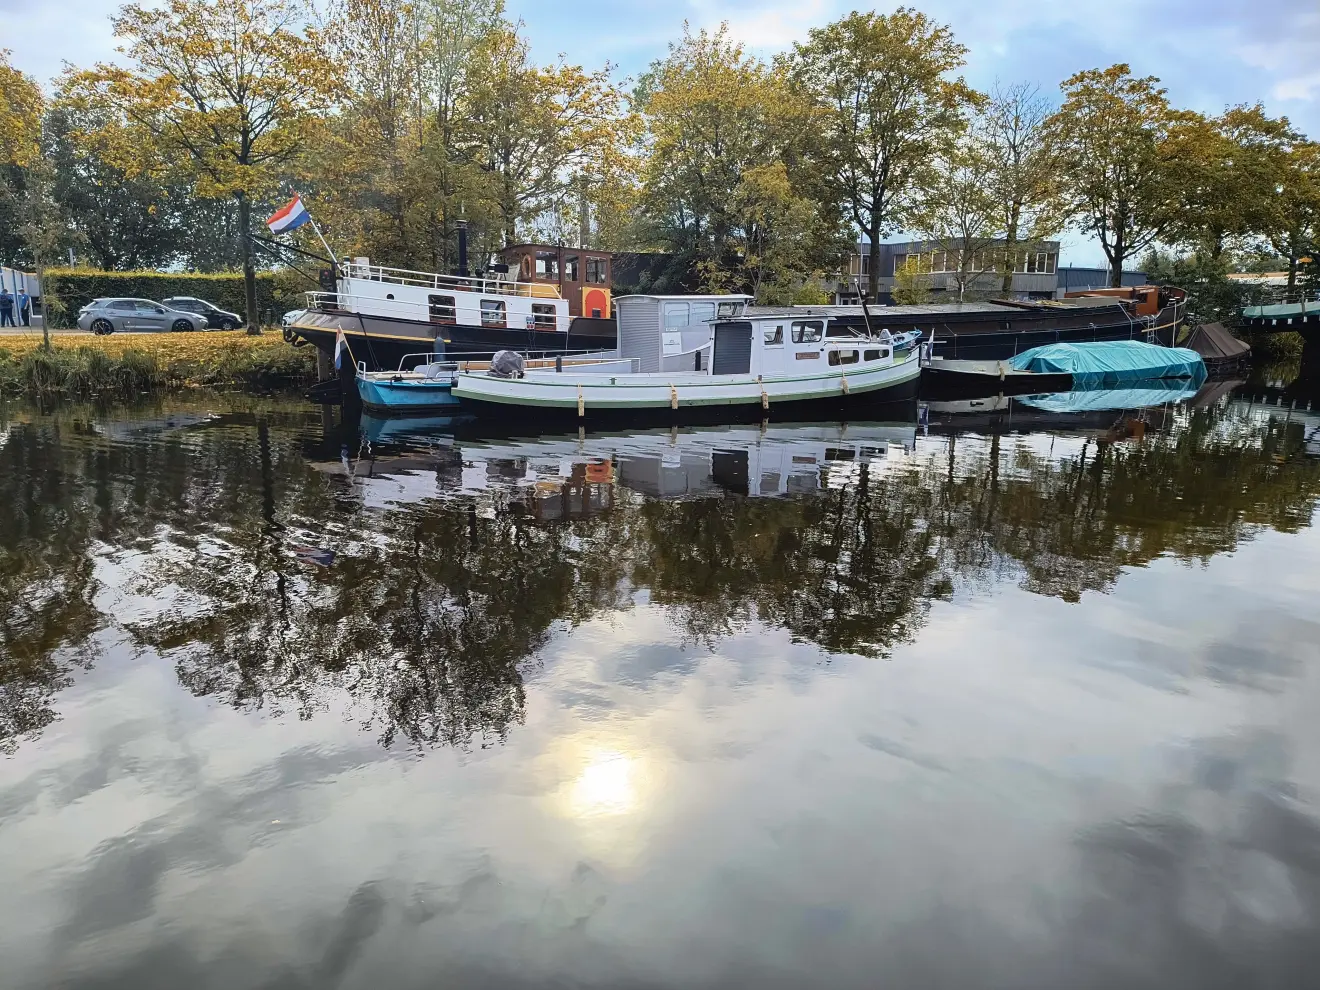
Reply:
x=1208, y=53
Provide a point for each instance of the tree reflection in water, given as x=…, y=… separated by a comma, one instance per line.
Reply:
x=433, y=608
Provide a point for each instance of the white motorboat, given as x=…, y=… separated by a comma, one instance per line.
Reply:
x=761, y=359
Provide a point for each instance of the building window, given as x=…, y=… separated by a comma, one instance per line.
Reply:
x=543, y=316
x=676, y=315
x=547, y=265
x=492, y=313
x=442, y=309
x=808, y=331
x=571, y=268
x=1051, y=260
x=598, y=271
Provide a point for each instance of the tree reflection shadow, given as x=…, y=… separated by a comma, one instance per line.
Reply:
x=433, y=612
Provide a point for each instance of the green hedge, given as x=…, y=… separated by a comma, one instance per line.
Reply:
x=73, y=288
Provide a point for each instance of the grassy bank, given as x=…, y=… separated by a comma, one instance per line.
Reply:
x=80, y=365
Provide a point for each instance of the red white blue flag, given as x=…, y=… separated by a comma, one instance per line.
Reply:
x=290, y=216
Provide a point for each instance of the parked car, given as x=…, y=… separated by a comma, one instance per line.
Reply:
x=216, y=318
x=102, y=316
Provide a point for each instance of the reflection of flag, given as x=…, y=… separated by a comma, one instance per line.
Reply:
x=341, y=345
x=314, y=555
x=290, y=216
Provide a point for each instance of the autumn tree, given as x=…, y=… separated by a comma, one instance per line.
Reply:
x=1228, y=168
x=21, y=107
x=960, y=213
x=725, y=179
x=229, y=89
x=537, y=127
x=886, y=109
x=1116, y=160
x=1019, y=170
x=125, y=215
x=1293, y=219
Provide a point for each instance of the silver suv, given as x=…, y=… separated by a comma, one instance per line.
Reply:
x=102, y=316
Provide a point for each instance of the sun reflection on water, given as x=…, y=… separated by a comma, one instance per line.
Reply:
x=606, y=786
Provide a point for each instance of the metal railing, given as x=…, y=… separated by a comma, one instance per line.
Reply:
x=499, y=285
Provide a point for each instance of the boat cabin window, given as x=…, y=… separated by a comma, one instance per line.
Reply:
x=702, y=312
x=597, y=271
x=876, y=355
x=571, y=268
x=492, y=313
x=676, y=315
x=543, y=316
x=547, y=264
x=808, y=331
x=843, y=357
x=773, y=334
x=725, y=310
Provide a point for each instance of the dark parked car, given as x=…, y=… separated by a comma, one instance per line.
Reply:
x=102, y=316
x=216, y=318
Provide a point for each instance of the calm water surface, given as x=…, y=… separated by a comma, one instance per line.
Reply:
x=1006, y=699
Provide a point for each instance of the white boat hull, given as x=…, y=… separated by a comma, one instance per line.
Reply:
x=582, y=391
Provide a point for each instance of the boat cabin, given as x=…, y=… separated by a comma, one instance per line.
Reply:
x=491, y=299
x=794, y=342
x=579, y=275
x=671, y=333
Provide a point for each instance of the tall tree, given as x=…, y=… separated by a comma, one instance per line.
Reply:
x=21, y=106
x=1294, y=212
x=961, y=214
x=538, y=127
x=725, y=181
x=886, y=110
x=229, y=89
x=125, y=216
x=1116, y=161
x=1020, y=169
x=1229, y=167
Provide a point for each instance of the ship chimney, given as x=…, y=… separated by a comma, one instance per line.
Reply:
x=462, y=249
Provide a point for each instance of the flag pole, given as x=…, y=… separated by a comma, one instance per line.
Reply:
x=330, y=254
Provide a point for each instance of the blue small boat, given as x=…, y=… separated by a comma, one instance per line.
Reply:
x=424, y=388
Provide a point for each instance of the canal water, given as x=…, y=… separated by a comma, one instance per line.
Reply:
x=963, y=697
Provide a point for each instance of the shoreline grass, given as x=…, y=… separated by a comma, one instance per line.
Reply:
x=86, y=365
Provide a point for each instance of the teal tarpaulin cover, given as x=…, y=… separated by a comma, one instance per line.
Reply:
x=1112, y=363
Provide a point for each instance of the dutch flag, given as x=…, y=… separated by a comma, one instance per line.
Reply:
x=341, y=347
x=290, y=216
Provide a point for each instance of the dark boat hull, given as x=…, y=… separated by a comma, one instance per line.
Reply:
x=382, y=342
x=982, y=336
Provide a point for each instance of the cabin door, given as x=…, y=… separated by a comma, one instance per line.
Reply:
x=733, y=349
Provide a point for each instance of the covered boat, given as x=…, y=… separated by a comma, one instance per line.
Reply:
x=1112, y=363
x=1219, y=349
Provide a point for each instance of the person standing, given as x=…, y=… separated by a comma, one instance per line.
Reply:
x=6, y=308
x=24, y=308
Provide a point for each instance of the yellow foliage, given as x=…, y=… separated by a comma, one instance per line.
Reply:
x=20, y=115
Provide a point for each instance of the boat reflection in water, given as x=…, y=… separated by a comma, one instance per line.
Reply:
x=414, y=459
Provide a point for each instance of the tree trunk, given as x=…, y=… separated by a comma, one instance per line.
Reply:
x=1116, y=263
x=873, y=264
x=1010, y=247
x=1292, y=270
x=249, y=269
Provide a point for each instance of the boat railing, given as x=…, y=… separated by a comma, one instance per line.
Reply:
x=414, y=309
x=499, y=284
